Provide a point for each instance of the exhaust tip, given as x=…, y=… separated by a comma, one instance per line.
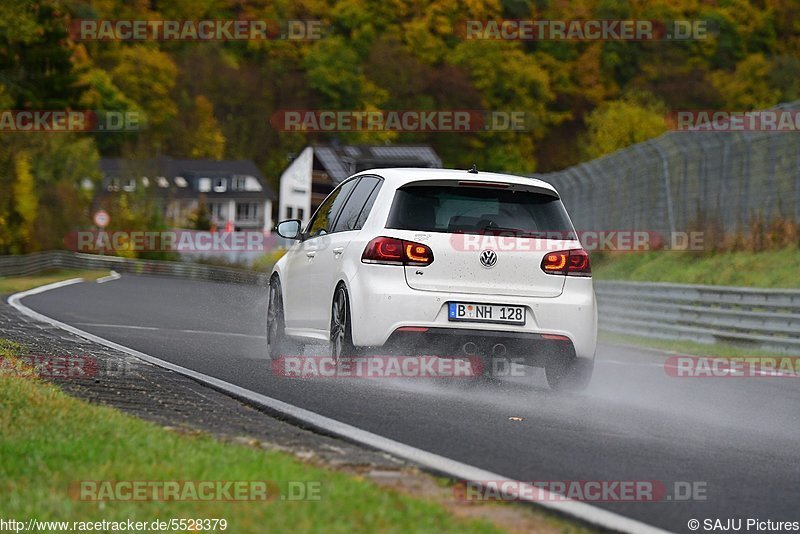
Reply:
x=499, y=350
x=470, y=348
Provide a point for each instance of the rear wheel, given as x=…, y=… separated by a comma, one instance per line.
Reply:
x=341, y=336
x=278, y=344
x=568, y=374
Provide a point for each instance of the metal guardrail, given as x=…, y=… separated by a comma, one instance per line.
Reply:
x=33, y=263
x=765, y=319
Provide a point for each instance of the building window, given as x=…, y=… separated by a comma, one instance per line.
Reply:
x=300, y=213
x=130, y=185
x=238, y=182
x=204, y=185
x=180, y=181
x=289, y=212
x=220, y=185
x=217, y=210
x=247, y=211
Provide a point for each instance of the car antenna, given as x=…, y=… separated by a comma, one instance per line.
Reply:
x=474, y=169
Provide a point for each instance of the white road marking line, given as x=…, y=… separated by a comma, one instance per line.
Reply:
x=133, y=327
x=103, y=325
x=453, y=468
x=113, y=276
x=221, y=333
x=631, y=364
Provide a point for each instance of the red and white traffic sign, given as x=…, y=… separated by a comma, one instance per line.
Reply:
x=101, y=218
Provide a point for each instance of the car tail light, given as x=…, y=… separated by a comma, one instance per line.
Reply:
x=569, y=262
x=383, y=250
x=392, y=251
x=555, y=337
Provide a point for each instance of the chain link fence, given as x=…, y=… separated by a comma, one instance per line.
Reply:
x=686, y=180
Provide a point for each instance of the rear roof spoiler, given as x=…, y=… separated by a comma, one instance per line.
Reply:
x=489, y=184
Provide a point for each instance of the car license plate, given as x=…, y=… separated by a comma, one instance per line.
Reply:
x=486, y=313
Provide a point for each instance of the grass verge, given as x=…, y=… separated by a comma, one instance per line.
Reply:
x=14, y=284
x=769, y=269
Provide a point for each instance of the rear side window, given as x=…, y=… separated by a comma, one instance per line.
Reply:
x=474, y=210
x=362, y=217
x=349, y=217
x=322, y=222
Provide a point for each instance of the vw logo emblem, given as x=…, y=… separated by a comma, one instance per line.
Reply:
x=488, y=258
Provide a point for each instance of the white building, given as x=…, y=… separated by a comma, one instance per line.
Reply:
x=234, y=192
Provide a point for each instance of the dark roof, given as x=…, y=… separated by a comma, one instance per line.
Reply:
x=341, y=161
x=189, y=169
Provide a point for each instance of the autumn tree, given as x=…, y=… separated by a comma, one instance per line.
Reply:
x=23, y=216
x=147, y=76
x=200, y=135
x=621, y=123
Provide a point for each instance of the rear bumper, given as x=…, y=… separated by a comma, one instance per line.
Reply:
x=531, y=349
x=382, y=303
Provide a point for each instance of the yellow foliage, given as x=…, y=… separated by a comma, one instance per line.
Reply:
x=147, y=76
x=620, y=123
x=25, y=200
x=207, y=139
x=747, y=87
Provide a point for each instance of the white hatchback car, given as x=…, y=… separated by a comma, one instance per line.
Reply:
x=435, y=261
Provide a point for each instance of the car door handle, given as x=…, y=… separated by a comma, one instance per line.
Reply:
x=311, y=253
x=338, y=251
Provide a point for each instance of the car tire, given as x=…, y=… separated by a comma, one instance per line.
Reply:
x=569, y=374
x=278, y=344
x=341, y=331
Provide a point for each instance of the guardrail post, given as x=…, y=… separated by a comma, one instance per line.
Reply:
x=667, y=187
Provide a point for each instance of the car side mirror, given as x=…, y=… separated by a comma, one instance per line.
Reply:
x=289, y=229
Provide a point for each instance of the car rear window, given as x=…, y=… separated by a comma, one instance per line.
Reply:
x=479, y=210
